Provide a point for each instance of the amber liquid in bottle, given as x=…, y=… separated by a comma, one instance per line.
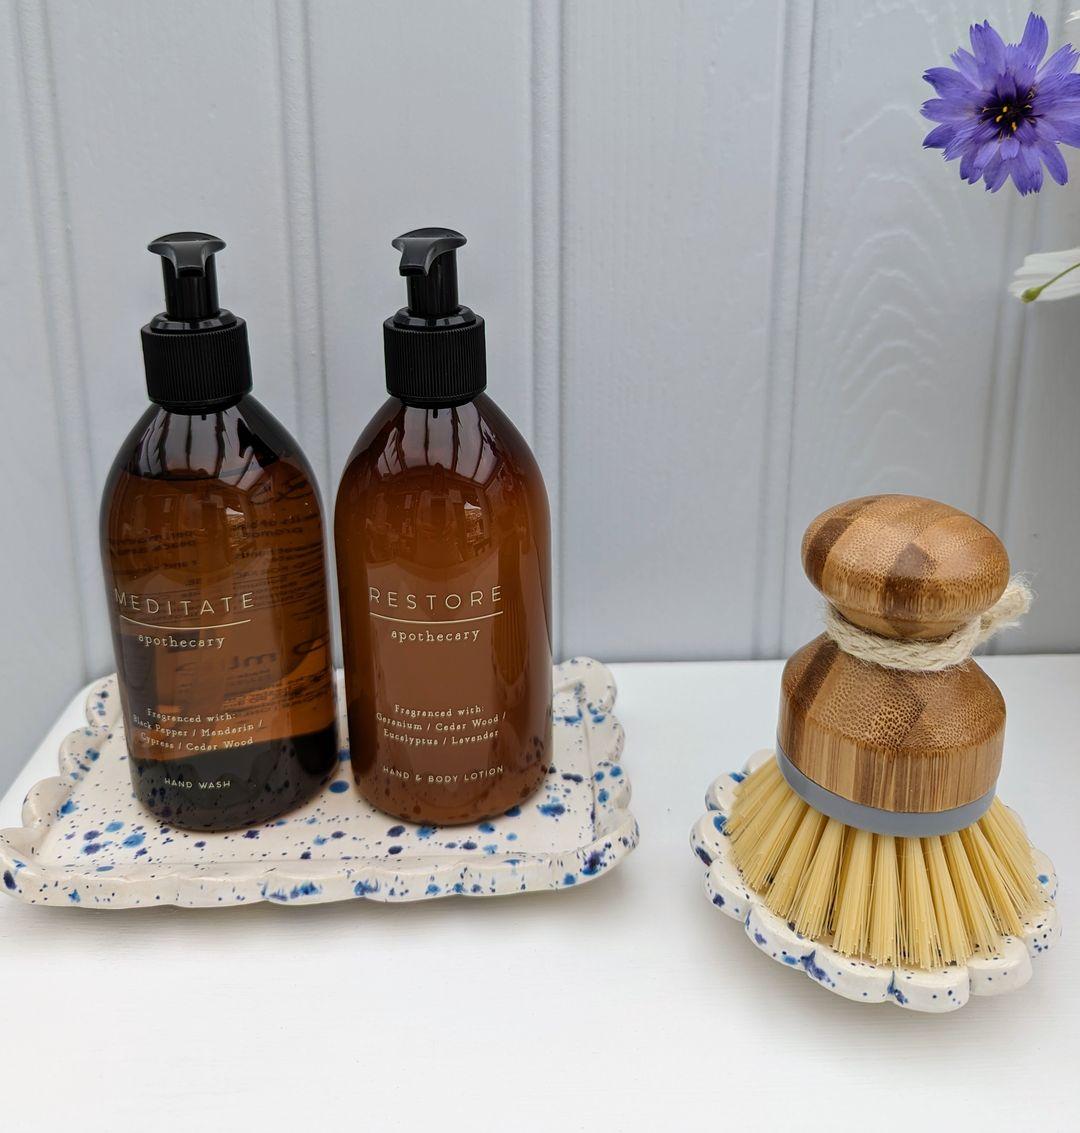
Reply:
x=443, y=551
x=214, y=557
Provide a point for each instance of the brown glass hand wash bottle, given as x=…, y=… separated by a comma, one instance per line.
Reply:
x=215, y=569
x=443, y=551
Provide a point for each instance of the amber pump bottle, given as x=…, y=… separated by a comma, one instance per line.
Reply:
x=443, y=551
x=215, y=569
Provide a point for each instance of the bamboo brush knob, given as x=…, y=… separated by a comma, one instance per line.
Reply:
x=903, y=566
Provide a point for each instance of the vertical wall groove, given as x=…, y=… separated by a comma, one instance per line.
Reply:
x=1000, y=425
x=308, y=320
x=55, y=256
x=547, y=290
x=792, y=134
x=301, y=201
x=1026, y=223
x=999, y=434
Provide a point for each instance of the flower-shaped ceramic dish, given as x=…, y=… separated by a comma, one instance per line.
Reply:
x=86, y=841
x=944, y=989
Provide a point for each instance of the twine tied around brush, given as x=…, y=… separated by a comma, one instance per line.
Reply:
x=931, y=656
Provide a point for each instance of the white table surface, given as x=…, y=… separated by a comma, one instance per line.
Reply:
x=629, y=1003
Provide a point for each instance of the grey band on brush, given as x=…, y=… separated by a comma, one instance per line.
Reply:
x=901, y=824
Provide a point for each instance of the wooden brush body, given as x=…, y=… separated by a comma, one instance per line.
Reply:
x=898, y=741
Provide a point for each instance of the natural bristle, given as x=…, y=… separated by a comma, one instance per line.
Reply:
x=851, y=918
x=884, y=903
x=923, y=902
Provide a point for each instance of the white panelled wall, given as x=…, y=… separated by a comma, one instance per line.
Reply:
x=725, y=287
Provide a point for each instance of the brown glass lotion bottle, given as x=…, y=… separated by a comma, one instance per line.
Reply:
x=215, y=569
x=443, y=552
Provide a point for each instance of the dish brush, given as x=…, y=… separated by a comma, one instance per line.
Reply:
x=875, y=828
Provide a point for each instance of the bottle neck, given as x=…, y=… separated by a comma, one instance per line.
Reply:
x=205, y=409
x=436, y=407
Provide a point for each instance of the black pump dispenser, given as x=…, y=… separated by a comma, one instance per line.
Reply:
x=434, y=347
x=195, y=352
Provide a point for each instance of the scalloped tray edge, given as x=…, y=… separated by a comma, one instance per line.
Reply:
x=584, y=698
x=936, y=992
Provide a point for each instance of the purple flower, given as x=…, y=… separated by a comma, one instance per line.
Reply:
x=1001, y=113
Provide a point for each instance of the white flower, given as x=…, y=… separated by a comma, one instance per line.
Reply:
x=1047, y=275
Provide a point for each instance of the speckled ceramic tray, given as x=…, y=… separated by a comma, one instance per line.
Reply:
x=86, y=841
x=945, y=989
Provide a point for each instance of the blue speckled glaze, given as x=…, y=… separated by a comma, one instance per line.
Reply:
x=96, y=847
x=896, y=993
x=814, y=970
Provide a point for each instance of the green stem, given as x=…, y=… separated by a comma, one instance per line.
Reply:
x=1032, y=293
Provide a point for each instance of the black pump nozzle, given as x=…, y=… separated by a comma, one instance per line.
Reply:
x=187, y=267
x=195, y=352
x=429, y=263
x=434, y=346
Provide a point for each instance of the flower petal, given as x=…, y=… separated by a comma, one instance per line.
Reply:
x=1023, y=74
x=1010, y=148
x=1034, y=41
x=966, y=65
x=942, y=110
x=1038, y=267
x=1026, y=170
x=1006, y=89
x=1026, y=133
x=989, y=50
x=946, y=82
x=972, y=133
x=1057, y=89
x=1055, y=163
x=968, y=136
x=975, y=161
x=1064, y=131
x=995, y=174
x=1060, y=63
x=939, y=137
